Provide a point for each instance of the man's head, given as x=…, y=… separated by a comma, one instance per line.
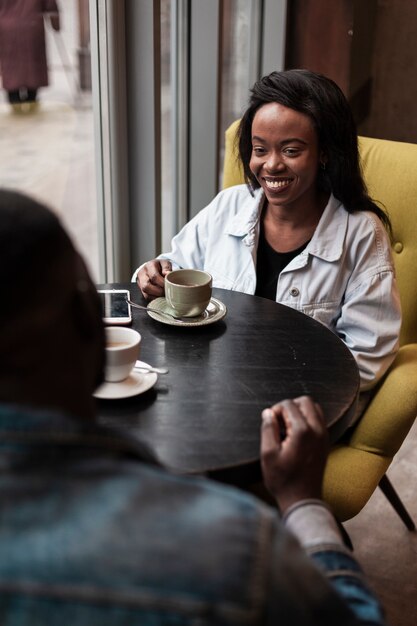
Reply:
x=50, y=317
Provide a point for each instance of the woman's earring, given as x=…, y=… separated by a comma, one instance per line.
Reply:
x=323, y=165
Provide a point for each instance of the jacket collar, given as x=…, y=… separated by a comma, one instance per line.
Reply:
x=329, y=236
x=327, y=241
x=246, y=219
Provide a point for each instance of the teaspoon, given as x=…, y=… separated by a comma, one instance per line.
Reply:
x=144, y=308
x=157, y=370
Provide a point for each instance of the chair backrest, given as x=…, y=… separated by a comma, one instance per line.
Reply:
x=390, y=173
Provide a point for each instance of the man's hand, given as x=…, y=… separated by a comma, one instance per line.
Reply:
x=294, y=448
x=151, y=278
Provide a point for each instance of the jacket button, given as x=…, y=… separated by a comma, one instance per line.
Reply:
x=398, y=246
x=294, y=292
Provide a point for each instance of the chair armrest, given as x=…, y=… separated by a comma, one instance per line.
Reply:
x=393, y=409
x=354, y=468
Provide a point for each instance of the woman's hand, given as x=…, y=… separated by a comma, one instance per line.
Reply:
x=294, y=448
x=151, y=278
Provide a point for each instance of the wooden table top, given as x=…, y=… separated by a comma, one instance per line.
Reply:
x=204, y=416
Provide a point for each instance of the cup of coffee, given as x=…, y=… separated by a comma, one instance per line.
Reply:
x=188, y=292
x=122, y=351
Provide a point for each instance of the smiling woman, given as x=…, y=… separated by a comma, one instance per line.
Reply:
x=303, y=230
x=284, y=149
x=284, y=161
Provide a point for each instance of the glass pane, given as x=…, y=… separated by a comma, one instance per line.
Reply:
x=167, y=108
x=47, y=147
x=237, y=60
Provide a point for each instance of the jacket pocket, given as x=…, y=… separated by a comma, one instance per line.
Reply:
x=324, y=312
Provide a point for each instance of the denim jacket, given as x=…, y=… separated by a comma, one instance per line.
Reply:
x=91, y=534
x=344, y=278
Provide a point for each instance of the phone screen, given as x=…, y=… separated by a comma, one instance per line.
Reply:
x=114, y=304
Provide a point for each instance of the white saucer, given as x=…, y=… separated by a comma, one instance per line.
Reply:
x=214, y=312
x=135, y=384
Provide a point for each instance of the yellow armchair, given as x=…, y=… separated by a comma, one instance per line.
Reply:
x=358, y=465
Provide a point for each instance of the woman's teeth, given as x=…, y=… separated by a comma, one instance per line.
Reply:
x=277, y=184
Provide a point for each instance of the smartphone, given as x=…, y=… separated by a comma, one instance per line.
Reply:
x=115, y=306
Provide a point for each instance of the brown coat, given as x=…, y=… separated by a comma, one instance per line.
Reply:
x=22, y=42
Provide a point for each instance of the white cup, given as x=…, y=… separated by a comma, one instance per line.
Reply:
x=188, y=291
x=122, y=351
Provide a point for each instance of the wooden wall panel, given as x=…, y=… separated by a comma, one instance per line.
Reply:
x=319, y=38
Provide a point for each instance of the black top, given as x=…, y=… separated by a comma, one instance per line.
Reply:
x=269, y=265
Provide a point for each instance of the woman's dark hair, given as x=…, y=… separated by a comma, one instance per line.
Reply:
x=325, y=104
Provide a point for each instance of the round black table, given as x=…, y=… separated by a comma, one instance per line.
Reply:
x=204, y=415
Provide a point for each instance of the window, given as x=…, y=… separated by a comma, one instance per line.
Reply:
x=47, y=149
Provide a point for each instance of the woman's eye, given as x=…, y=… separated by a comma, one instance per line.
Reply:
x=291, y=152
x=258, y=151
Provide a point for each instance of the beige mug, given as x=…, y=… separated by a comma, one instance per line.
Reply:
x=188, y=291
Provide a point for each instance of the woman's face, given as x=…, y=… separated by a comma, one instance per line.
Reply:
x=285, y=156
